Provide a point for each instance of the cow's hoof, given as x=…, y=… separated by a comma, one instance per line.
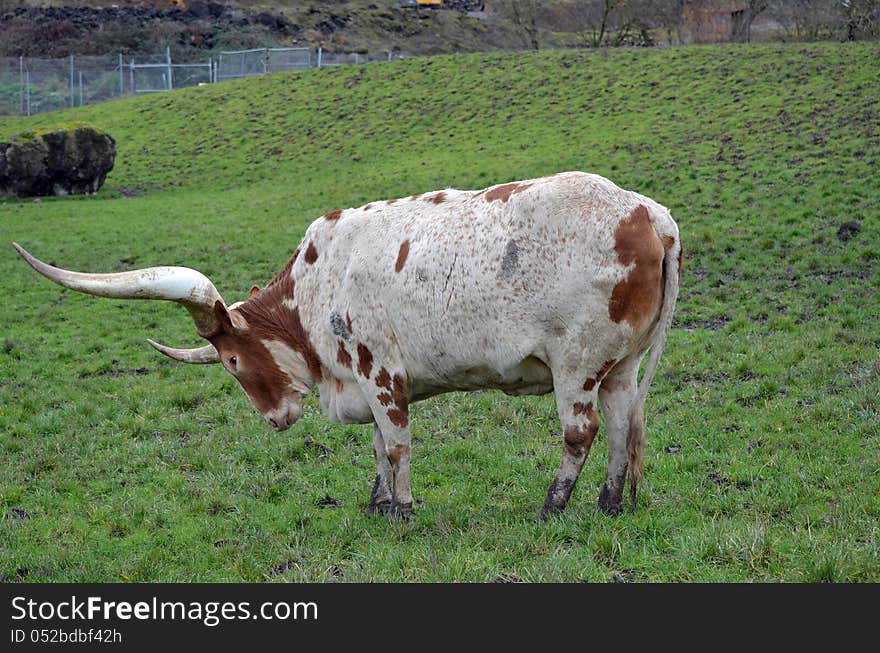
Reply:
x=377, y=508
x=399, y=511
x=612, y=511
x=608, y=503
x=547, y=511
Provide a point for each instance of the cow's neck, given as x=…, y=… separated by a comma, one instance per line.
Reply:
x=273, y=316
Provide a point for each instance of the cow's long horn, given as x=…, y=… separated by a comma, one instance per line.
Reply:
x=199, y=355
x=184, y=285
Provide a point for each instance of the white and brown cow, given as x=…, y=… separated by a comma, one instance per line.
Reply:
x=555, y=284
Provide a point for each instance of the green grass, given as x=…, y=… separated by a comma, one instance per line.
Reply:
x=763, y=441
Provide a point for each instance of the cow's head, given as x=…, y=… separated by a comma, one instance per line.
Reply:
x=260, y=341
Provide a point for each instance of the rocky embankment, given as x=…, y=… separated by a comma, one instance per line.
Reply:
x=197, y=28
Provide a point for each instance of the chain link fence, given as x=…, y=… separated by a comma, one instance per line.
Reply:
x=247, y=63
x=345, y=58
x=29, y=86
x=151, y=74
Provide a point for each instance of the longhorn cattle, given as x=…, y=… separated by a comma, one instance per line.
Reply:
x=558, y=284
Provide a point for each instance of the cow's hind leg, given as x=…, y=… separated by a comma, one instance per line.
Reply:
x=580, y=423
x=616, y=395
x=380, y=499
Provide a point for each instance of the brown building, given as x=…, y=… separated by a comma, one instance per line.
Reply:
x=714, y=21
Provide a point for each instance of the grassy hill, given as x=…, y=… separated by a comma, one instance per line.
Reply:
x=762, y=422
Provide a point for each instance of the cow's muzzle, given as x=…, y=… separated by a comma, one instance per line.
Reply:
x=284, y=418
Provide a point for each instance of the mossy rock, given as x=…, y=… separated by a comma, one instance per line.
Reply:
x=71, y=159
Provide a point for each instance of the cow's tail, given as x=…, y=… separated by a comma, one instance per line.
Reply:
x=635, y=440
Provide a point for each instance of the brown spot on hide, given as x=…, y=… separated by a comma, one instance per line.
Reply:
x=397, y=453
x=582, y=409
x=504, y=191
x=413, y=198
x=383, y=379
x=384, y=398
x=390, y=202
x=365, y=360
x=368, y=207
x=342, y=356
x=579, y=439
x=348, y=321
x=603, y=371
x=439, y=198
x=590, y=383
x=668, y=241
x=402, y=253
x=399, y=392
x=333, y=215
x=339, y=385
x=399, y=415
x=616, y=384
x=254, y=290
x=637, y=298
x=311, y=253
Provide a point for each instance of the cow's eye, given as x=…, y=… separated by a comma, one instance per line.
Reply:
x=233, y=362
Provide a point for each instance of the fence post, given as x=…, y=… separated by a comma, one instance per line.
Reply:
x=168, y=63
x=21, y=84
x=131, y=76
x=121, y=78
x=80, y=88
x=72, y=101
x=27, y=86
x=320, y=55
x=266, y=63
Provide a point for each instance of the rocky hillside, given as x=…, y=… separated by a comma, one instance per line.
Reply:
x=198, y=28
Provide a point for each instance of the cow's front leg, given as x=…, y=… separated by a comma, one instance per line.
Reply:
x=380, y=499
x=398, y=451
x=388, y=396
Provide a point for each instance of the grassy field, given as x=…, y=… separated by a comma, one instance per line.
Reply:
x=763, y=456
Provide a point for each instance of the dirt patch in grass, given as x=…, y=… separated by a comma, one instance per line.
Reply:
x=115, y=372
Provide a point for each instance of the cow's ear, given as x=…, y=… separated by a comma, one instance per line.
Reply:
x=231, y=322
x=254, y=290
